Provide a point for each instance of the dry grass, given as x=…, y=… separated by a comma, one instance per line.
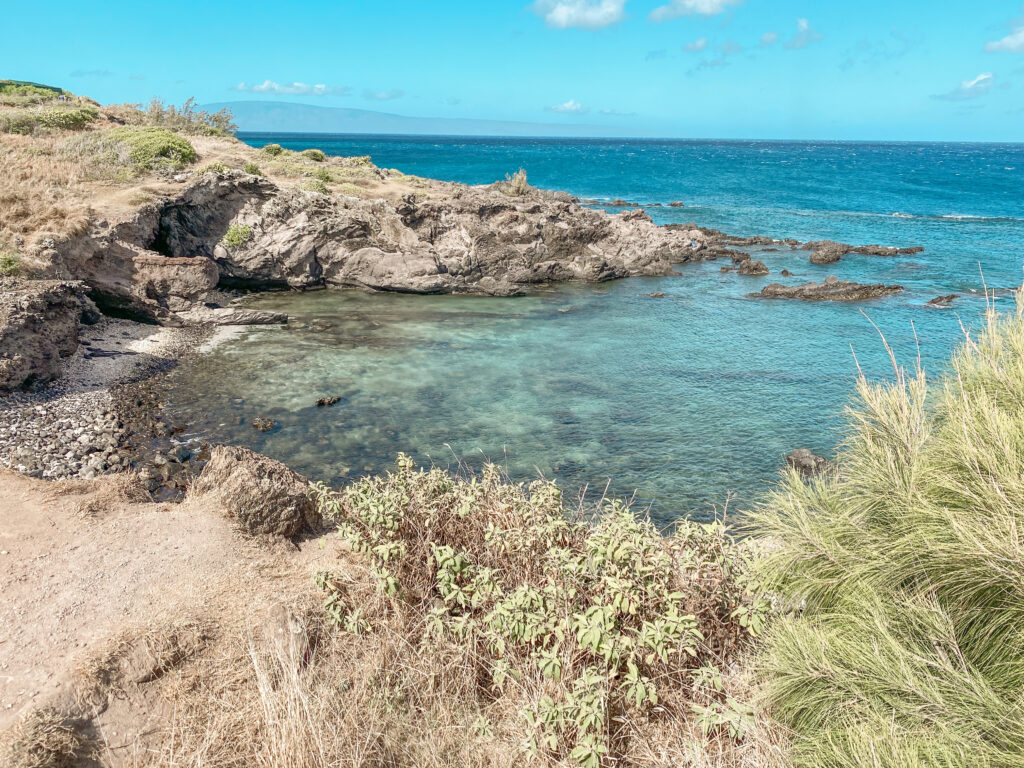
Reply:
x=43, y=739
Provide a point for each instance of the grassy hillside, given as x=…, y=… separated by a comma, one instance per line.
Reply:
x=905, y=574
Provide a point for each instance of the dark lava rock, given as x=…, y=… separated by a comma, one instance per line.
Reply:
x=832, y=289
x=786, y=273
x=324, y=402
x=942, y=301
x=829, y=251
x=677, y=204
x=807, y=463
x=618, y=202
x=657, y=295
x=752, y=267
x=262, y=424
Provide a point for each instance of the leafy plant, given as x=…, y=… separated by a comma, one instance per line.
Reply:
x=217, y=168
x=237, y=235
x=252, y=169
x=516, y=185
x=595, y=622
x=316, y=155
x=316, y=185
x=323, y=174
x=272, y=149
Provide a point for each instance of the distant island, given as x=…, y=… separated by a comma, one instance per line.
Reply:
x=286, y=117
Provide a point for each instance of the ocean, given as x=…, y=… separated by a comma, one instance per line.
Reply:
x=687, y=404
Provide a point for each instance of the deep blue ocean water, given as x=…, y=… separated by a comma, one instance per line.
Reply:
x=688, y=400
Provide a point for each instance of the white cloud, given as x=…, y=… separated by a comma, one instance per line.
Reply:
x=677, y=8
x=269, y=86
x=589, y=14
x=769, y=39
x=804, y=36
x=969, y=89
x=617, y=113
x=697, y=45
x=1013, y=42
x=571, y=107
x=383, y=95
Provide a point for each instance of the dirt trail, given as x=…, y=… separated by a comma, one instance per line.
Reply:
x=81, y=562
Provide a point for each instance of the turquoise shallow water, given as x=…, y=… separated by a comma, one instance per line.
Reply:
x=687, y=400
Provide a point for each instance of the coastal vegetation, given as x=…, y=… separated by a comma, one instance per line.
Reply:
x=237, y=234
x=902, y=573
x=588, y=639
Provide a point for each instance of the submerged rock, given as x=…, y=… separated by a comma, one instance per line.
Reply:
x=942, y=301
x=327, y=401
x=263, y=425
x=832, y=289
x=263, y=495
x=807, y=463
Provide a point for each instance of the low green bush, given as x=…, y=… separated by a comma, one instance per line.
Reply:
x=588, y=630
x=323, y=174
x=10, y=264
x=149, y=148
x=316, y=155
x=52, y=117
x=316, y=185
x=904, y=572
x=217, y=168
x=237, y=234
x=253, y=169
x=272, y=149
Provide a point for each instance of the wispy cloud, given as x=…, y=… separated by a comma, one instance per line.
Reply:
x=805, y=35
x=391, y=95
x=305, y=89
x=1013, y=42
x=570, y=107
x=657, y=55
x=91, y=73
x=769, y=39
x=878, y=51
x=677, y=8
x=617, y=113
x=969, y=89
x=588, y=14
x=696, y=46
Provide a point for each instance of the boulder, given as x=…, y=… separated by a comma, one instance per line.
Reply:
x=262, y=495
x=752, y=267
x=807, y=463
x=829, y=251
x=942, y=302
x=39, y=324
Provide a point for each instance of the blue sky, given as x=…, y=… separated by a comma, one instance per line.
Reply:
x=875, y=69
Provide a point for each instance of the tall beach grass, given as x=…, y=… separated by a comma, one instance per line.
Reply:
x=903, y=573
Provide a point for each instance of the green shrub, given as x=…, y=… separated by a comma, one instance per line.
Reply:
x=908, y=565
x=217, y=168
x=323, y=174
x=149, y=148
x=589, y=629
x=272, y=149
x=237, y=234
x=63, y=117
x=10, y=264
x=316, y=155
x=316, y=185
x=252, y=169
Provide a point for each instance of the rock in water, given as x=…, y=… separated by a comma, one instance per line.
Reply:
x=263, y=495
x=752, y=267
x=323, y=402
x=942, y=301
x=832, y=289
x=263, y=425
x=807, y=463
